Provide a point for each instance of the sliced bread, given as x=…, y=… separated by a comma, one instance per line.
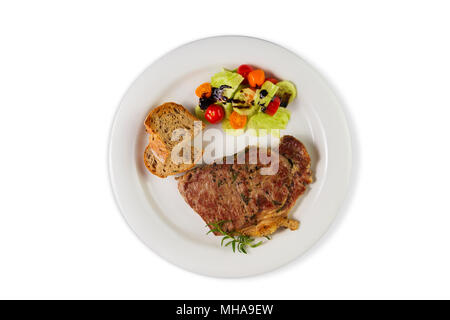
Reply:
x=160, y=123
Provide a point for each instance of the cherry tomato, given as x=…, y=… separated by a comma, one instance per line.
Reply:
x=273, y=106
x=244, y=70
x=204, y=90
x=214, y=113
x=256, y=78
x=237, y=121
x=273, y=80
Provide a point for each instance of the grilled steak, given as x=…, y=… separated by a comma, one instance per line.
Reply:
x=254, y=204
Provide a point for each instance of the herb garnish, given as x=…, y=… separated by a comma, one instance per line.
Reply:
x=239, y=242
x=234, y=175
x=245, y=198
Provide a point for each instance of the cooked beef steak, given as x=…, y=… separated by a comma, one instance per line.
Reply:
x=254, y=204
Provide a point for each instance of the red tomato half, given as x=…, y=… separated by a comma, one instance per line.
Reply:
x=214, y=113
x=273, y=106
x=273, y=80
x=244, y=70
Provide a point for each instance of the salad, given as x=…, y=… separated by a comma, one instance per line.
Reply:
x=243, y=99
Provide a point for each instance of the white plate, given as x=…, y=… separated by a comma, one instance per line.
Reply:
x=156, y=211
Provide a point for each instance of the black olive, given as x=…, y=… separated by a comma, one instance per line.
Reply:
x=204, y=102
x=285, y=99
x=262, y=94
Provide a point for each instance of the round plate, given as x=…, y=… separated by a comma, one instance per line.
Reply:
x=153, y=207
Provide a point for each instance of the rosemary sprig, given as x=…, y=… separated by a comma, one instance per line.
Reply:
x=239, y=241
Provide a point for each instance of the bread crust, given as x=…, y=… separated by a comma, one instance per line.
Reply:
x=155, y=142
x=158, y=146
x=149, y=167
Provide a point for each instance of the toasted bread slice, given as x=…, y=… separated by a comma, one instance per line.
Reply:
x=160, y=123
x=166, y=168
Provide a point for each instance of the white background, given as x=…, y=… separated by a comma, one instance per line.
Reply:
x=64, y=66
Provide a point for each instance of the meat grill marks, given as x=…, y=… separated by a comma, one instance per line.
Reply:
x=255, y=204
